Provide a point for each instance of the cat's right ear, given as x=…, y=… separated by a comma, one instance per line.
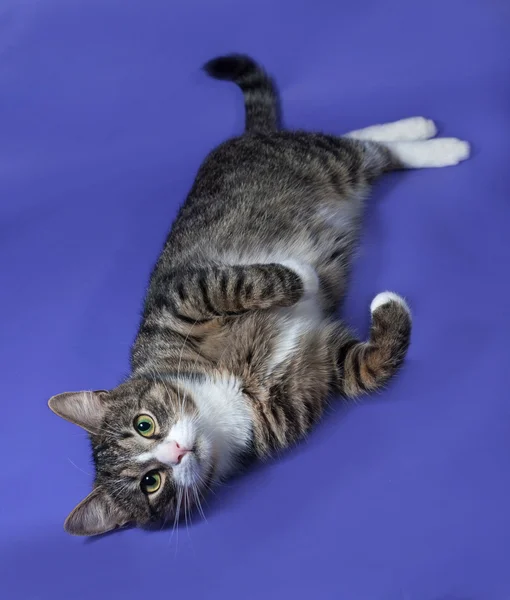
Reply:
x=86, y=409
x=95, y=515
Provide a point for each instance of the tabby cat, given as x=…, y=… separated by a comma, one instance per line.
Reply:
x=239, y=345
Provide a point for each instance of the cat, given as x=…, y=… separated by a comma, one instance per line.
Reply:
x=239, y=347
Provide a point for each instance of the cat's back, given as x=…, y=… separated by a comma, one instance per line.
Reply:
x=258, y=197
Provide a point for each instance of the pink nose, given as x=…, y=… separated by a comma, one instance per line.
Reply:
x=175, y=452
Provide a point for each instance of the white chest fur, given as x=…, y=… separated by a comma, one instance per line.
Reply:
x=225, y=417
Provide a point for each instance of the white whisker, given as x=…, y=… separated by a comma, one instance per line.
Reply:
x=77, y=467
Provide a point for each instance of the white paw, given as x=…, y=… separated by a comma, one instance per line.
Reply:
x=441, y=152
x=414, y=128
x=445, y=152
x=405, y=130
x=385, y=298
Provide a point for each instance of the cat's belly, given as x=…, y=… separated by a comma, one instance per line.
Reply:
x=330, y=229
x=291, y=325
x=297, y=321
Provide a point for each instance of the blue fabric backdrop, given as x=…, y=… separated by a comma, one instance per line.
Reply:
x=104, y=119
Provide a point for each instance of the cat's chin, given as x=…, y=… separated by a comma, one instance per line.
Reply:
x=188, y=473
x=196, y=468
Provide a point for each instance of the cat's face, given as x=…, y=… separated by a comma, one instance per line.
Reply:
x=152, y=454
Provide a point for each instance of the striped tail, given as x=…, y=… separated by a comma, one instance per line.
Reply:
x=367, y=366
x=260, y=97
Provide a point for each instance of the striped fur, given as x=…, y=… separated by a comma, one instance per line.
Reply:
x=239, y=348
x=260, y=98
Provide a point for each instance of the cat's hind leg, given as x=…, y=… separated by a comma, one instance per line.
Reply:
x=409, y=142
x=390, y=156
x=441, y=152
x=362, y=367
x=412, y=129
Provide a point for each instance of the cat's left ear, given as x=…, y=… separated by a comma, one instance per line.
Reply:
x=95, y=515
x=86, y=409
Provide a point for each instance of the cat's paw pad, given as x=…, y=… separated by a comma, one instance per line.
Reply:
x=386, y=298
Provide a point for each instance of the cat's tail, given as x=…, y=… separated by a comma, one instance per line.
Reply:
x=260, y=96
x=366, y=366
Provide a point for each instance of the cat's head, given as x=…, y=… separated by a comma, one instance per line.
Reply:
x=151, y=450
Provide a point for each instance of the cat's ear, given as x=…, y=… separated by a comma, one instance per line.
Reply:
x=95, y=515
x=86, y=409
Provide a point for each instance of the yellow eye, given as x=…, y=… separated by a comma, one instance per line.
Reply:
x=145, y=425
x=151, y=482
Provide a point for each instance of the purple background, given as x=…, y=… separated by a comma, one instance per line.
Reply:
x=104, y=119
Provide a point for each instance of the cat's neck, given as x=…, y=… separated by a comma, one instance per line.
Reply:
x=225, y=415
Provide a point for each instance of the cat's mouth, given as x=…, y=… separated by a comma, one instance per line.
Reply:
x=197, y=469
x=187, y=457
x=189, y=471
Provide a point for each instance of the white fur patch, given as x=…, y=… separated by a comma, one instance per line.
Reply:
x=225, y=419
x=412, y=129
x=385, y=298
x=441, y=152
x=300, y=318
x=183, y=432
x=145, y=457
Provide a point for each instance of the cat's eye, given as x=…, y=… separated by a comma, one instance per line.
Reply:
x=145, y=425
x=151, y=482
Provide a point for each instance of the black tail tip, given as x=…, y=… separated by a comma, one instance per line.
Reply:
x=230, y=67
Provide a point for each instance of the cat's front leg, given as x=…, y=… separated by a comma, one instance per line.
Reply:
x=203, y=293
